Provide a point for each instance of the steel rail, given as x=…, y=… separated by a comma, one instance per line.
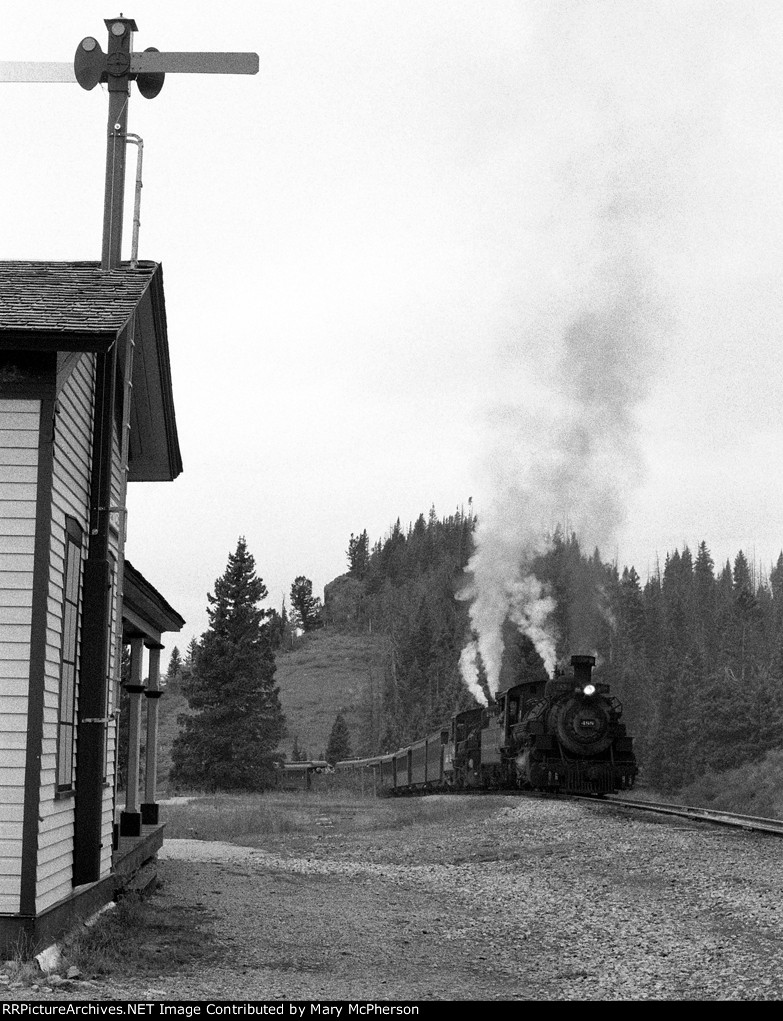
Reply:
x=753, y=823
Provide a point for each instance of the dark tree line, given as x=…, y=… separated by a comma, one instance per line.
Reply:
x=695, y=654
x=407, y=585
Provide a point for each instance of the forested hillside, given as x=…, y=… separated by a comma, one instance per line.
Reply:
x=695, y=654
x=403, y=591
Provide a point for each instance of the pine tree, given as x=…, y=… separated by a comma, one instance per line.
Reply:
x=358, y=555
x=339, y=744
x=705, y=602
x=305, y=607
x=175, y=664
x=172, y=680
x=230, y=741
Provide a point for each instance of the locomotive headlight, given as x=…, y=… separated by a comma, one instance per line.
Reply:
x=589, y=689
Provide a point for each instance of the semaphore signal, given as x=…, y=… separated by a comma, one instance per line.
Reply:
x=117, y=68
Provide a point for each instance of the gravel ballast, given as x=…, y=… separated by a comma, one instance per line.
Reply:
x=539, y=900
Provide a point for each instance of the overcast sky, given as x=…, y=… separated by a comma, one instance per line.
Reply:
x=390, y=256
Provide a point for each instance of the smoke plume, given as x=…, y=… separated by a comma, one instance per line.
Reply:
x=582, y=335
x=571, y=463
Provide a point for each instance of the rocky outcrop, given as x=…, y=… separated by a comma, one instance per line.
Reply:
x=341, y=600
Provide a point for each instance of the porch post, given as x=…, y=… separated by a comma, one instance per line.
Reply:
x=149, y=808
x=130, y=819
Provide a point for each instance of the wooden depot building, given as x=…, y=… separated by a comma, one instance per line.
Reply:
x=85, y=408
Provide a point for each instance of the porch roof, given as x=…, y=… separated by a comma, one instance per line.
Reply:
x=145, y=612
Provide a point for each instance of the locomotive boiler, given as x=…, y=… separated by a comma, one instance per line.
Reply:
x=570, y=737
x=562, y=735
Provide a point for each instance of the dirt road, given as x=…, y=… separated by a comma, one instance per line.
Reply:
x=539, y=900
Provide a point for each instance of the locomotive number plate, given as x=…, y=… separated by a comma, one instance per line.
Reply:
x=587, y=723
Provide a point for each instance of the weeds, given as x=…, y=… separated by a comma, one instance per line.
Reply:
x=21, y=967
x=142, y=935
x=99, y=948
x=756, y=788
x=235, y=817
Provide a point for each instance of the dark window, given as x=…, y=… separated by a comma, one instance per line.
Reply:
x=73, y=563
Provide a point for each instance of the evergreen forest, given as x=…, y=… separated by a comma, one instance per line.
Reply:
x=695, y=653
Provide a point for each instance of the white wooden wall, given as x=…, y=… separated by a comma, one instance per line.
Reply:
x=19, y=426
x=70, y=495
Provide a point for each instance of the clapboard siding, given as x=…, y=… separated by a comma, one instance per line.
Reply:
x=14, y=474
x=15, y=687
x=18, y=456
x=50, y=885
x=57, y=868
x=12, y=777
x=14, y=739
x=15, y=616
x=10, y=580
x=53, y=835
x=70, y=496
x=19, y=428
x=14, y=715
x=18, y=526
x=14, y=598
x=16, y=563
x=19, y=545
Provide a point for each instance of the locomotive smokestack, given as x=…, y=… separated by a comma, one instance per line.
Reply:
x=583, y=668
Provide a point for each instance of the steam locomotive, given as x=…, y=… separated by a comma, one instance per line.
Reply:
x=563, y=735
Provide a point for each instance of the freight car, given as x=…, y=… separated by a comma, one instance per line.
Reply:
x=562, y=735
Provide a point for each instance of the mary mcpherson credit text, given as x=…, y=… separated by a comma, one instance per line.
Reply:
x=157, y=1009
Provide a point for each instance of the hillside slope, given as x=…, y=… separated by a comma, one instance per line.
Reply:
x=328, y=673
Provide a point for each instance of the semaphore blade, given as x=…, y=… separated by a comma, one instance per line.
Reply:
x=196, y=63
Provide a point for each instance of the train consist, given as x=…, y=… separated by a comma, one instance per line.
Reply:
x=563, y=735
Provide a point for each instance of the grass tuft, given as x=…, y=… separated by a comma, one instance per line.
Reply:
x=97, y=949
x=21, y=966
x=239, y=817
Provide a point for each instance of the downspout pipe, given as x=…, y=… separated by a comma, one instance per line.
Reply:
x=96, y=634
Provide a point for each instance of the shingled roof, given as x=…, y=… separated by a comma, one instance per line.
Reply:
x=77, y=307
x=77, y=298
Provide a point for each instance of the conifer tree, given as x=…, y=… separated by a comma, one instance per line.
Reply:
x=175, y=663
x=230, y=740
x=339, y=744
x=174, y=669
x=305, y=607
x=358, y=555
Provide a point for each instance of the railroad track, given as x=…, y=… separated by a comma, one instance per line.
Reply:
x=744, y=822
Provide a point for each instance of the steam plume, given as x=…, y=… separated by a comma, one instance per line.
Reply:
x=577, y=457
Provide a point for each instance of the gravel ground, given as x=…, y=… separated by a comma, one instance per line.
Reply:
x=541, y=900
